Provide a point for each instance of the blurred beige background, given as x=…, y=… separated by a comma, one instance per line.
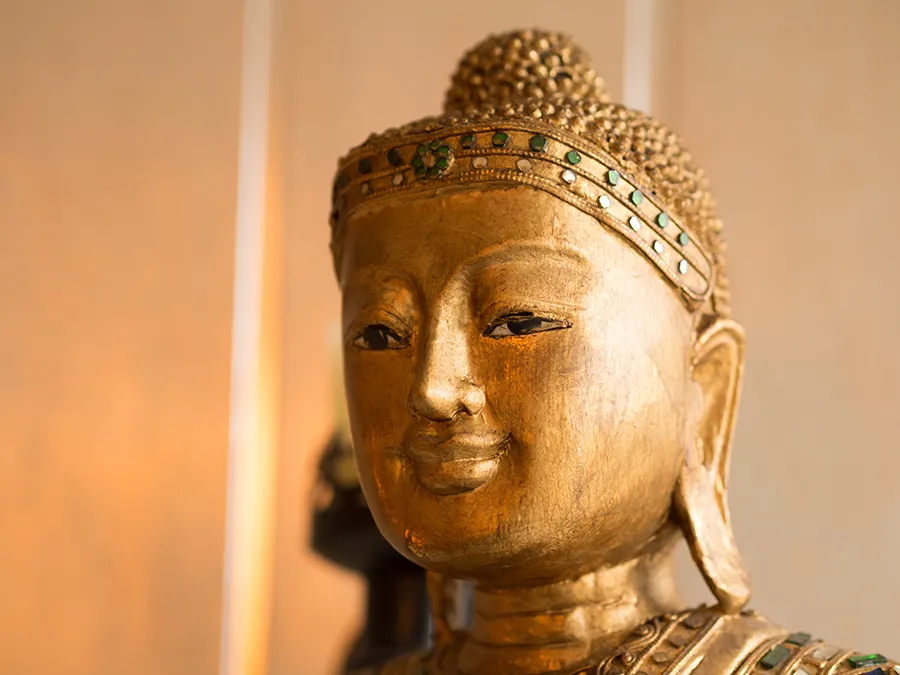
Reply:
x=119, y=162
x=118, y=153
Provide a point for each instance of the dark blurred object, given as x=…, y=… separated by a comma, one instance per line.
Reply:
x=344, y=532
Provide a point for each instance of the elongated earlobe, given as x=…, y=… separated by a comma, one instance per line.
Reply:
x=700, y=496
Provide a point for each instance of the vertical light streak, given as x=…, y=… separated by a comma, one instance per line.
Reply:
x=249, y=532
x=638, y=57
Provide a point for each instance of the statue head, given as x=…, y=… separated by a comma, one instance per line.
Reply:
x=541, y=371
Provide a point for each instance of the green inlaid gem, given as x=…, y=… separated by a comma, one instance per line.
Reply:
x=394, y=157
x=467, y=141
x=572, y=157
x=637, y=197
x=443, y=150
x=799, y=639
x=421, y=171
x=422, y=149
x=365, y=165
x=500, y=139
x=867, y=660
x=418, y=161
x=434, y=172
x=613, y=177
x=775, y=656
x=442, y=163
x=683, y=239
x=435, y=144
x=538, y=143
x=662, y=220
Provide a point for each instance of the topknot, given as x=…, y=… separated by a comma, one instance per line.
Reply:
x=520, y=66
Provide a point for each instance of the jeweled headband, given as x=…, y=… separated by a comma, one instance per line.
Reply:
x=527, y=108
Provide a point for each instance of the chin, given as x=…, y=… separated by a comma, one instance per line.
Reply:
x=449, y=541
x=494, y=556
x=499, y=567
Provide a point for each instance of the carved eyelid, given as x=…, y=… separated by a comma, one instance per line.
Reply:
x=557, y=324
x=497, y=311
x=378, y=316
x=400, y=340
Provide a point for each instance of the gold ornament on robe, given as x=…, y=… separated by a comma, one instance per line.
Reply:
x=542, y=378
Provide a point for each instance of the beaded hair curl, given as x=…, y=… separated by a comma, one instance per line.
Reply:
x=543, y=76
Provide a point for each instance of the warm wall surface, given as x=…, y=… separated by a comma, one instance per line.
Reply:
x=117, y=181
x=360, y=68
x=792, y=108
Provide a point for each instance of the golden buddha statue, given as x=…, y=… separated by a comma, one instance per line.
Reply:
x=542, y=378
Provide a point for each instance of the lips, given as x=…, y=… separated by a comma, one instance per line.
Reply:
x=450, y=464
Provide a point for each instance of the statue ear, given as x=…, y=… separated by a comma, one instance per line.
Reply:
x=700, y=495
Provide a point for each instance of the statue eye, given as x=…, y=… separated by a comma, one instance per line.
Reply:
x=523, y=323
x=378, y=337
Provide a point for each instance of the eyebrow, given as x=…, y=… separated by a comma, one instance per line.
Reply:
x=501, y=253
x=376, y=272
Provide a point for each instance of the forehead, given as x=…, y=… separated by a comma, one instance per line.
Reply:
x=439, y=235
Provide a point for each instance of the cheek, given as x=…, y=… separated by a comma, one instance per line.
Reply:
x=530, y=382
x=599, y=414
x=637, y=431
x=377, y=385
x=540, y=391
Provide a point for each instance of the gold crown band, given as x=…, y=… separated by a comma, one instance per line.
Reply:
x=532, y=154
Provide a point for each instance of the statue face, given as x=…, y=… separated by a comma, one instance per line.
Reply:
x=518, y=379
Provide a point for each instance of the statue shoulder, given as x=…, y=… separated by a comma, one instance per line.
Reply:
x=802, y=654
x=705, y=641
x=701, y=641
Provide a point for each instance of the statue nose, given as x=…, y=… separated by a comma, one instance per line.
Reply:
x=444, y=386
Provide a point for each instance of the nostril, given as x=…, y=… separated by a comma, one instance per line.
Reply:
x=443, y=403
x=473, y=399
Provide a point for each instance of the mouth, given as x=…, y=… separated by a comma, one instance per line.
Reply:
x=458, y=464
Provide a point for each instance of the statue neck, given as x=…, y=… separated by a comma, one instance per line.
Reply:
x=564, y=625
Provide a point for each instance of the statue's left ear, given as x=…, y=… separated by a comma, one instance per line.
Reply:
x=700, y=496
